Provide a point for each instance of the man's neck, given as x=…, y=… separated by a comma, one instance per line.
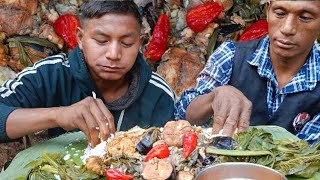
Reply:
x=112, y=90
x=286, y=68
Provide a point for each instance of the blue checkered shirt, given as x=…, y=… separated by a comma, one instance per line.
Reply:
x=218, y=69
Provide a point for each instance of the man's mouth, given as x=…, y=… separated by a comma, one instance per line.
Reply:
x=285, y=44
x=110, y=68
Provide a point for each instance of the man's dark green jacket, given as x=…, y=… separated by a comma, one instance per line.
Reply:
x=62, y=80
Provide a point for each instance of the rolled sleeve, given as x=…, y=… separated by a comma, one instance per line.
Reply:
x=4, y=113
x=217, y=72
x=311, y=131
x=183, y=103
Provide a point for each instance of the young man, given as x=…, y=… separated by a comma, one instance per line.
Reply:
x=273, y=80
x=57, y=93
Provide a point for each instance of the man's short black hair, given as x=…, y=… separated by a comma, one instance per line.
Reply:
x=97, y=8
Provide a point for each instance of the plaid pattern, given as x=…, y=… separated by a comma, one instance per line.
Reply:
x=218, y=69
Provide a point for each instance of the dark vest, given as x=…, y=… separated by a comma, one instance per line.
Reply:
x=246, y=78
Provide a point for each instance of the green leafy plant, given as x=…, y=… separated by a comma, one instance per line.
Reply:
x=288, y=156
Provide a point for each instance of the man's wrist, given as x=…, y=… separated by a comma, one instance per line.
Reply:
x=54, y=115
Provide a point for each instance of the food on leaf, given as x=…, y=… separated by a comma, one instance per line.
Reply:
x=115, y=174
x=269, y=146
x=145, y=144
x=189, y=142
x=157, y=169
x=159, y=151
x=95, y=164
x=223, y=142
x=173, y=132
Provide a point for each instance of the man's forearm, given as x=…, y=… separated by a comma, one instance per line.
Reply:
x=200, y=110
x=22, y=122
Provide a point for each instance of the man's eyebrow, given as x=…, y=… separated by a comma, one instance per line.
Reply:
x=312, y=10
x=99, y=32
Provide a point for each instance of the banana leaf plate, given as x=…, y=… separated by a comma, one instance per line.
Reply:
x=77, y=140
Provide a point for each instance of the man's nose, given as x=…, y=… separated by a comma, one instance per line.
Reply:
x=114, y=51
x=289, y=25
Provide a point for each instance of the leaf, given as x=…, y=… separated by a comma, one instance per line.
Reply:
x=55, y=145
x=211, y=150
x=278, y=133
x=50, y=169
x=50, y=160
x=255, y=139
x=35, y=40
x=288, y=156
x=35, y=163
x=75, y=151
x=298, y=166
x=212, y=43
x=24, y=59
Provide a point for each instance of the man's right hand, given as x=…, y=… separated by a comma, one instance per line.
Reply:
x=89, y=115
x=231, y=110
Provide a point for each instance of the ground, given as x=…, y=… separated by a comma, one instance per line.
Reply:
x=9, y=150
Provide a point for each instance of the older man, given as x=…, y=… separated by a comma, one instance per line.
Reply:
x=273, y=80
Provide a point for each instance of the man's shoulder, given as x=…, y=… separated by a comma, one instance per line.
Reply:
x=45, y=65
x=60, y=59
x=251, y=43
x=160, y=83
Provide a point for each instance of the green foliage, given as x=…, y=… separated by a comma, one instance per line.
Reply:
x=52, y=165
x=287, y=155
x=18, y=168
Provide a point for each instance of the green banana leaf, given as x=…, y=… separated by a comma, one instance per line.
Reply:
x=17, y=167
x=77, y=140
x=278, y=132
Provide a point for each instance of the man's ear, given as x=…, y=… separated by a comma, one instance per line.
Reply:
x=141, y=39
x=80, y=32
x=268, y=6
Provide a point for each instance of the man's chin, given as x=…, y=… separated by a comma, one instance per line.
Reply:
x=283, y=53
x=112, y=78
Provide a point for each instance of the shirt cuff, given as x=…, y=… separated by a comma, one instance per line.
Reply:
x=4, y=113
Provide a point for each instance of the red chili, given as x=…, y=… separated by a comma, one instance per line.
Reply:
x=115, y=174
x=160, y=151
x=159, y=41
x=189, y=142
x=255, y=31
x=200, y=16
x=66, y=27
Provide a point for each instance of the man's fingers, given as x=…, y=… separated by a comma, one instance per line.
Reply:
x=108, y=120
x=229, y=126
x=231, y=110
x=93, y=128
x=220, y=114
x=100, y=119
x=218, y=122
x=84, y=128
x=104, y=128
x=231, y=122
x=244, y=120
